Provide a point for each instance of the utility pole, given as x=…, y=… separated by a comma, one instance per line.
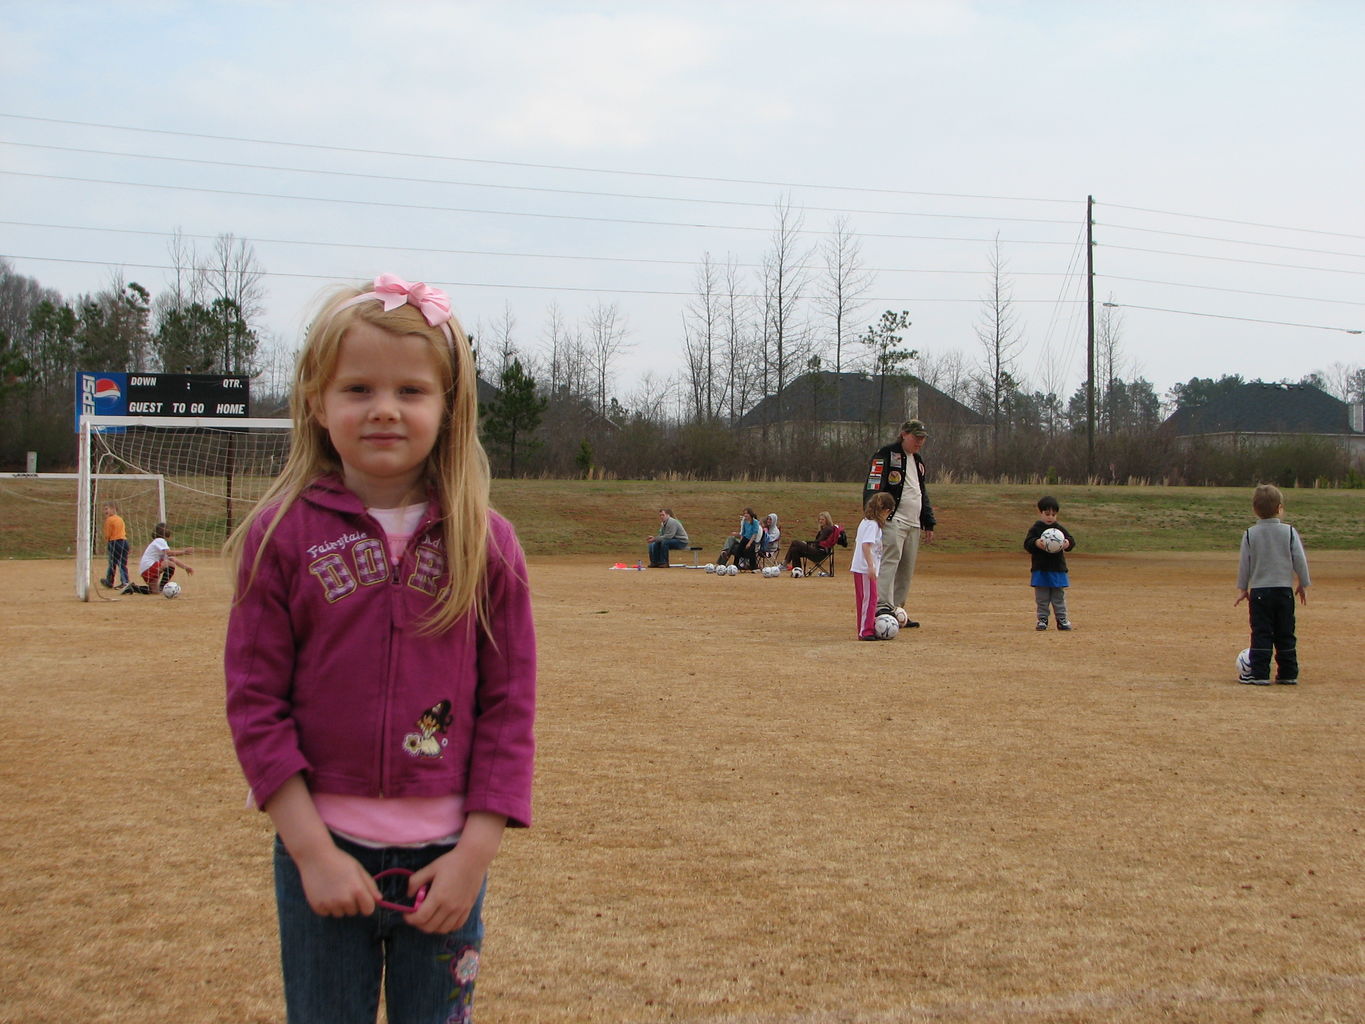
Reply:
x=1090, y=337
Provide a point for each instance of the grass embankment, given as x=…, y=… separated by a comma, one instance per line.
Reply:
x=613, y=517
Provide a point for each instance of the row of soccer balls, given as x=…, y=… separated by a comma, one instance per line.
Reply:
x=768, y=570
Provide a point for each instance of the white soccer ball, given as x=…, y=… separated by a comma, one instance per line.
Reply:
x=901, y=617
x=886, y=627
x=170, y=590
x=796, y=572
x=1053, y=540
x=732, y=570
x=1244, y=663
x=710, y=567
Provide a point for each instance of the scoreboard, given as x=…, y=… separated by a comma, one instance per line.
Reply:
x=162, y=394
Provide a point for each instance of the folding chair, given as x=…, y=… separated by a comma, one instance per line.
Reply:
x=825, y=563
x=768, y=556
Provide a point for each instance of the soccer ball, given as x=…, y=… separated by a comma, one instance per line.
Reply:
x=1053, y=540
x=886, y=627
x=1244, y=663
x=901, y=617
x=170, y=590
x=796, y=572
x=732, y=570
x=710, y=567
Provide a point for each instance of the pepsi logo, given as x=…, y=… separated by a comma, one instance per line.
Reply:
x=107, y=393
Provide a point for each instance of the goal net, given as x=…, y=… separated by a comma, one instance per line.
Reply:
x=200, y=476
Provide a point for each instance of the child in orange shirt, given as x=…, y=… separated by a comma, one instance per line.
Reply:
x=115, y=545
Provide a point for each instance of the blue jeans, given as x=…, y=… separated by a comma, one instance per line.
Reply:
x=117, y=551
x=659, y=549
x=333, y=965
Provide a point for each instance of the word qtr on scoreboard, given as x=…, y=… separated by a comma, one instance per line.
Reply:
x=162, y=394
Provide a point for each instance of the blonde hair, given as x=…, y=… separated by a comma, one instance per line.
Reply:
x=456, y=469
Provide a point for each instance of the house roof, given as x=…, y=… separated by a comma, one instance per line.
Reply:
x=1259, y=408
x=852, y=398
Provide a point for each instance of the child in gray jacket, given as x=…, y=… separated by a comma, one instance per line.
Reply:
x=1272, y=558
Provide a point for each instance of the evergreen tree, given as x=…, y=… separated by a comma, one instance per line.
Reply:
x=881, y=341
x=514, y=415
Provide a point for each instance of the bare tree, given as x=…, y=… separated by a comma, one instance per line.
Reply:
x=702, y=323
x=231, y=271
x=948, y=372
x=844, y=283
x=1339, y=380
x=606, y=330
x=1109, y=368
x=785, y=279
x=998, y=332
x=559, y=356
x=736, y=310
x=232, y=280
x=503, y=347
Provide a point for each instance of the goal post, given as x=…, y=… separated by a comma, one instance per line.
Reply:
x=211, y=471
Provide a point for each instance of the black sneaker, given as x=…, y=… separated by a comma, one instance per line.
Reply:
x=1064, y=626
x=1253, y=681
x=1287, y=682
x=1041, y=627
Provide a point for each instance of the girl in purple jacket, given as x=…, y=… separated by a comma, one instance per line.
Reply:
x=380, y=665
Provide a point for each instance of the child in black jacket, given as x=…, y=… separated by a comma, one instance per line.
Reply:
x=1049, y=578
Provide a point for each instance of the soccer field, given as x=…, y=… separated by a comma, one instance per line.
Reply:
x=742, y=814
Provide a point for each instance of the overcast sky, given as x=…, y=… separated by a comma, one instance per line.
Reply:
x=523, y=155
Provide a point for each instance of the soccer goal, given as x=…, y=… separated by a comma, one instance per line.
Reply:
x=199, y=475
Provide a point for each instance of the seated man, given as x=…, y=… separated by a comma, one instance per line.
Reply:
x=670, y=537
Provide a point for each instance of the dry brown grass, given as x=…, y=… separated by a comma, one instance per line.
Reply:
x=743, y=815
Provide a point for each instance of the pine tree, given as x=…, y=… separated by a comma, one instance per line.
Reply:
x=513, y=416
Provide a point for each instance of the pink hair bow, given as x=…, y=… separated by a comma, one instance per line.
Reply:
x=393, y=291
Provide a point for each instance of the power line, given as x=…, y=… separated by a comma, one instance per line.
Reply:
x=535, y=166
x=119, y=264
x=1221, y=316
x=1228, y=220
x=1235, y=291
x=491, y=213
x=575, y=257
x=1236, y=241
x=521, y=188
x=1228, y=259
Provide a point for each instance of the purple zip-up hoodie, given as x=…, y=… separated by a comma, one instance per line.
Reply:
x=328, y=673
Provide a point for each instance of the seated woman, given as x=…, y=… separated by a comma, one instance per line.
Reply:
x=769, y=538
x=746, y=547
x=744, y=540
x=812, y=549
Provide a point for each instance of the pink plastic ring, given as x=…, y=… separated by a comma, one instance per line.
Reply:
x=417, y=901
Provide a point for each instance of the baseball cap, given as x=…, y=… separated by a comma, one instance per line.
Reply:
x=915, y=427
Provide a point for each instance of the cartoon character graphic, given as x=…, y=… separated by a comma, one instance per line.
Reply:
x=433, y=721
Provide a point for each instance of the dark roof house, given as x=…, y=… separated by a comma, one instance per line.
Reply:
x=844, y=402
x=1264, y=413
